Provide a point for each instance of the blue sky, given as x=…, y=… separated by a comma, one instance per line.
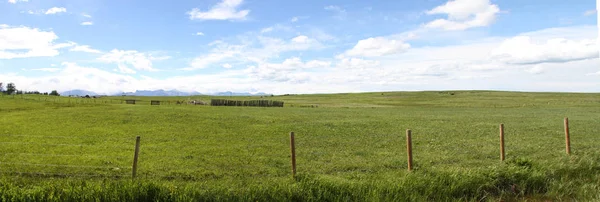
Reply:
x=300, y=46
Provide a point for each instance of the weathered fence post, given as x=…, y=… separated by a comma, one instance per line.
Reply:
x=502, y=142
x=135, y=157
x=567, y=136
x=409, y=149
x=293, y=153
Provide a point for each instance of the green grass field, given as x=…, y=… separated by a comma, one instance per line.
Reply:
x=351, y=147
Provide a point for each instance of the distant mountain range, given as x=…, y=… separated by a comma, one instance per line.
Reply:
x=229, y=93
x=78, y=93
x=160, y=93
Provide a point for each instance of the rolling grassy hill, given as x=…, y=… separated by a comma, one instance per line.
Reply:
x=350, y=147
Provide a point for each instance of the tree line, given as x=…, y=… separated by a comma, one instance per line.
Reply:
x=11, y=89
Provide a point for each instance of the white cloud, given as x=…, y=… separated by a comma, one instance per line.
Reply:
x=221, y=52
x=321, y=35
x=590, y=12
x=277, y=27
x=154, y=58
x=357, y=63
x=35, y=12
x=464, y=14
x=24, y=42
x=139, y=61
x=87, y=23
x=225, y=10
x=55, y=10
x=252, y=51
x=537, y=69
x=63, y=45
x=294, y=19
x=199, y=34
x=266, y=30
x=73, y=76
x=124, y=69
x=466, y=65
x=327, y=81
x=269, y=47
x=84, y=48
x=528, y=50
x=47, y=69
x=204, y=61
x=227, y=66
x=287, y=71
x=15, y=1
x=379, y=46
x=86, y=15
x=478, y=59
x=569, y=32
x=317, y=64
x=300, y=39
x=301, y=42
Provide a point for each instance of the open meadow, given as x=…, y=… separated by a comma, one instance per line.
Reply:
x=349, y=147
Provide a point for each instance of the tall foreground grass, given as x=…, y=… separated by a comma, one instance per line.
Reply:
x=575, y=178
x=350, y=148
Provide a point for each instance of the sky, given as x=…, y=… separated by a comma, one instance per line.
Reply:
x=294, y=46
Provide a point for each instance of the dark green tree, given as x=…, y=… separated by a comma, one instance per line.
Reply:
x=54, y=93
x=11, y=88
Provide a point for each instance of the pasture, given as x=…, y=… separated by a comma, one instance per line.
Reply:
x=351, y=147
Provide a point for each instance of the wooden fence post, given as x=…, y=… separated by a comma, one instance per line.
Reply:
x=409, y=149
x=567, y=136
x=502, y=142
x=135, y=156
x=293, y=153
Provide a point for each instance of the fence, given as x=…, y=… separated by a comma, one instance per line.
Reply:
x=132, y=101
x=95, y=100
x=120, y=170
x=250, y=103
